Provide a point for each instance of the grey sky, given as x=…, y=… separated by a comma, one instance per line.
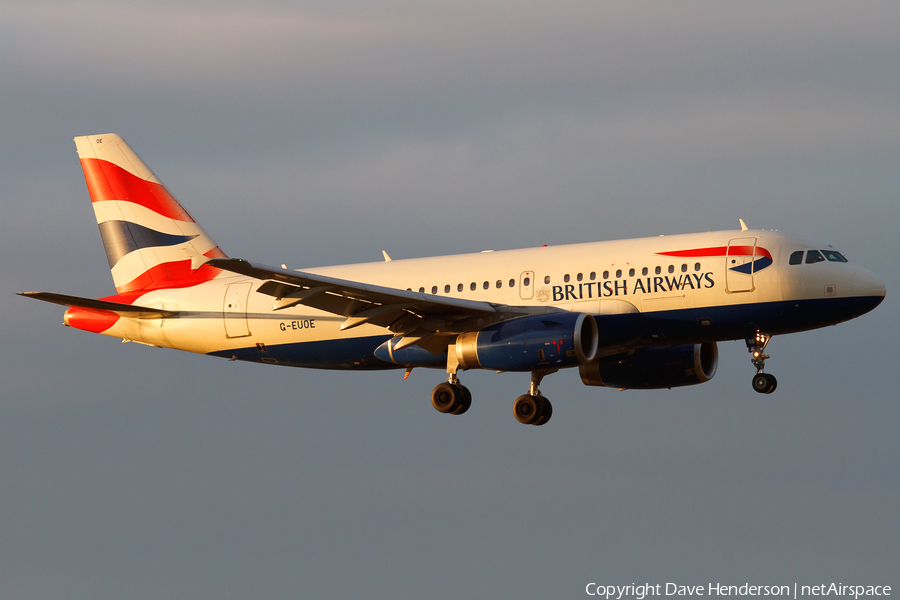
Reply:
x=321, y=134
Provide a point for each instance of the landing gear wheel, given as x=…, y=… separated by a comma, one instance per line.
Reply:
x=546, y=411
x=527, y=409
x=451, y=398
x=764, y=383
x=532, y=410
x=445, y=397
x=760, y=383
x=465, y=400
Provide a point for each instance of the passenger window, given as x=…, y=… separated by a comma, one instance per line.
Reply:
x=644, y=271
x=486, y=285
x=658, y=270
x=684, y=268
x=472, y=286
x=421, y=290
x=547, y=279
x=833, y=256
x=447, y=289
x=631, y=272
x=796, y=258
x=605, y=274
x=671, y=268
x=499, y=284
x=618, y=273
x=526, y=282
x=593, y=275
x=433, y=290
x=512, y=283
x=814, y=256
x=566, y=278
x=459, y=288
x=696, y=266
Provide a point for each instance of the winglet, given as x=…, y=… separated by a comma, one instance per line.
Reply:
x=386, y=257
x=743, y=225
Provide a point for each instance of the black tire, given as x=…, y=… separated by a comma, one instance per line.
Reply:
x=773, y=383
x=546, y=411
x=527, y=409
x=445, y=397
x=465, y=400
x=761, y=383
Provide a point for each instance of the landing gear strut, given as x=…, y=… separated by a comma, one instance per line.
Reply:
x=532, y=408
x=764, y=383
x=451, y=397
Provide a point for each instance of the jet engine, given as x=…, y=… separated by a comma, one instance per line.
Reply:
x=523, y=344
x=654, y=368
x=529, y=343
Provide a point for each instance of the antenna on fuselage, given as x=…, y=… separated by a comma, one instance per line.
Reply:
x=743, y=225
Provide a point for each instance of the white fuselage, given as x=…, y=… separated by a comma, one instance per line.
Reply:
x=687, y=281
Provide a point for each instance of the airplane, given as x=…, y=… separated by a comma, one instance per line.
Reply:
x=628, y=314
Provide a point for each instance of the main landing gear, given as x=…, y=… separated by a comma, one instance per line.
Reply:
x=764, y=383
x=451, y=397
x=532, y=408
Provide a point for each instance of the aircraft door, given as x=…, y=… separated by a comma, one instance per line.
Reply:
x=526, y=285
x=739, y=265
x=234, y=309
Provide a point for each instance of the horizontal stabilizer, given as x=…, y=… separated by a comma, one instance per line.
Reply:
x=123, y=310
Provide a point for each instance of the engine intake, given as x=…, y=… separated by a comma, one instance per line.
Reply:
x=654, y=368
x=528, y=343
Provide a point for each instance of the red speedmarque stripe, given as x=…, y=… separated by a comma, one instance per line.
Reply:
x=719, y=251
x=106, y=181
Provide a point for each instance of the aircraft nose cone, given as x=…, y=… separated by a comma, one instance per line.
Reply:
x=868, y=284
x=868, y=291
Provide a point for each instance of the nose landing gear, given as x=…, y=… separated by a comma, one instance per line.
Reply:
x=764, y=383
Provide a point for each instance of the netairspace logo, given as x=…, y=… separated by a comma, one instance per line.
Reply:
x=644, y=590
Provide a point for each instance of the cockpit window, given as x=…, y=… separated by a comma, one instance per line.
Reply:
x=796, y=258
x=834, y=256
x=814, y=256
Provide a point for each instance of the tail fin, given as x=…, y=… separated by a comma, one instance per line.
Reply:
x=150, y=240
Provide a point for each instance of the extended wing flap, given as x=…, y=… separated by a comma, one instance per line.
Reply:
x=123, y=310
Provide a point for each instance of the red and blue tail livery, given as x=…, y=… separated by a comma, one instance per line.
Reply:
x=150, y=240
x=630, y=314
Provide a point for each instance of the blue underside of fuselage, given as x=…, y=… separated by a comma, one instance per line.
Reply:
x=693, y=325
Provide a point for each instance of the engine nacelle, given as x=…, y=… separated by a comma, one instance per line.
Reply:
x=654, y=368
x=528, y=343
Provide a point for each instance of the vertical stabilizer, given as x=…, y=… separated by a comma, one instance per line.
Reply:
x=150, y=240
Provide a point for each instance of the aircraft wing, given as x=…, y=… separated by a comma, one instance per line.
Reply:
x=123, y=310
x=422, y=319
